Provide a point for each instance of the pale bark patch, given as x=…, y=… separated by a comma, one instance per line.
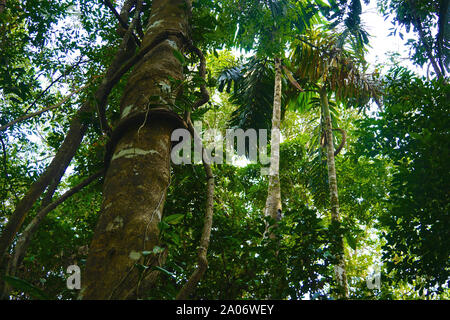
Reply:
x=117, y=223
x=154, y=25
x=126, y=111
x=135, y=256
x=132, y=152
x=172, y=43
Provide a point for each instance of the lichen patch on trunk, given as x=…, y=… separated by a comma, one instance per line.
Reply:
x=132, y=152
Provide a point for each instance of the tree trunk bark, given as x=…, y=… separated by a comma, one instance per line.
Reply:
x=2, y=5
x=273, y=201
x=337, y=241
x=138, y=175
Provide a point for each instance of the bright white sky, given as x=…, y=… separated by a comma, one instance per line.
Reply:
x=381, y=43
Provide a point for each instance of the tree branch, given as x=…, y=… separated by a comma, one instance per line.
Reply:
x=63, y=74
x=121, y=21
x=34, y=114
x=292, y=79
x=25, y=239
x=344, y=139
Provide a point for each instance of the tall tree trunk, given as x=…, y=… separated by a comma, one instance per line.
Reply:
x=138, y=175
x=273, y=201
x=337, y=241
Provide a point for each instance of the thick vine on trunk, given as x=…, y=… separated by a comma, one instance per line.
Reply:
x=340, y=270
x=138, y=175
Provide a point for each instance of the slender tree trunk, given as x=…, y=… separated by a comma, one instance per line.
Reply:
x=337, y=241
x=428, y=49
x=273, y=201
x=442, y=36
x=138, y=175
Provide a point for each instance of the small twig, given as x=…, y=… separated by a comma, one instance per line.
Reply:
x=34, y=114
x=63, y=74
x=145, y=119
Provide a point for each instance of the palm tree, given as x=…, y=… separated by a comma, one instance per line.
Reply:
x=275, y=29
x=317, y=62
x=321, y=62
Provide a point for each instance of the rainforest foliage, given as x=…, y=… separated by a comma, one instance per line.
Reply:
x=363, y=159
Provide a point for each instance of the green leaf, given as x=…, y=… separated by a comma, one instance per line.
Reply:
x=179, y=56
x=164, y=271
x=174, y=218
x=163, y=225
x=26, y=287
x=351, y=241
x=157, y=250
